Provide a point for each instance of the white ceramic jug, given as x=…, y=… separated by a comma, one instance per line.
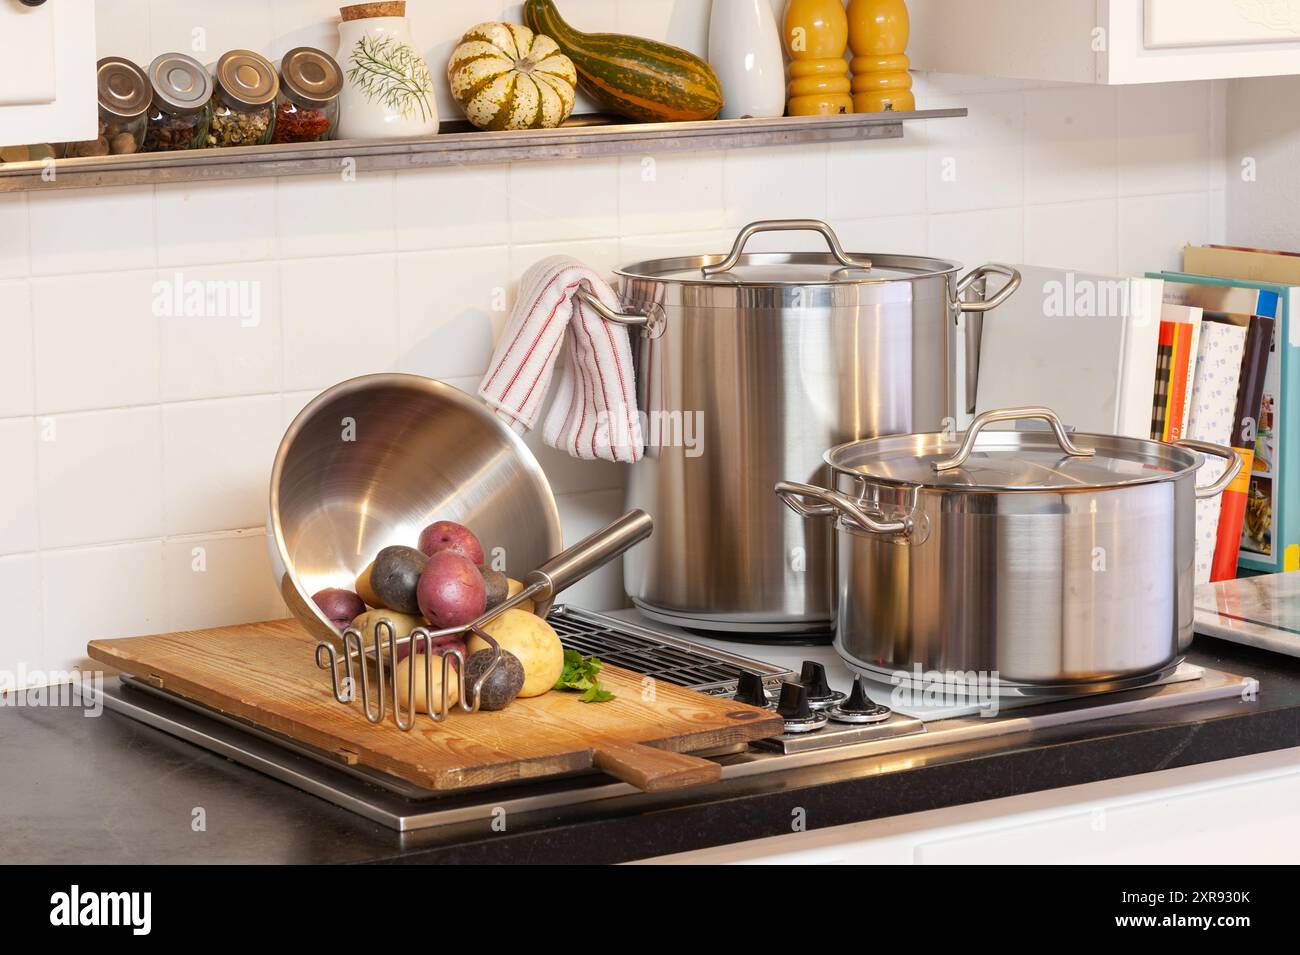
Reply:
x=387, y=89
x=745, y=52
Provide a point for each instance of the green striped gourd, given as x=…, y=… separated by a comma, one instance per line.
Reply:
x=642, y=79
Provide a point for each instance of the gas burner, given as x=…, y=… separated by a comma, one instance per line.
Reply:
x=794, y=707
x=820, y=695
x=859, y=708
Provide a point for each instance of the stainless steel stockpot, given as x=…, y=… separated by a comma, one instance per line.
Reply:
x=1054, y=561
x=751, y=365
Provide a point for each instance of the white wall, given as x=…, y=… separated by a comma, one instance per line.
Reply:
x=128, y=440
x=1263, y=162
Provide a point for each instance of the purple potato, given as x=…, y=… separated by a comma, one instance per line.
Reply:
x=496, y=584
x=451, y=591
x=504, y=683
x=395, y=576
x=448, y=535
x=339, y=606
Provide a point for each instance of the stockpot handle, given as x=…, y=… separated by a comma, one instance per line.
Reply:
x=984, y=271
x=786, y=225
x=1011, y=414
x=650, y=321
x=833, y=502
x=1218, y=451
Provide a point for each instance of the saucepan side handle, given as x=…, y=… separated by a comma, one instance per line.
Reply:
x=797, y=496
x=1219, y=451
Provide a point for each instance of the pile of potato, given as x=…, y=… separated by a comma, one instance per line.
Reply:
x=442, y=583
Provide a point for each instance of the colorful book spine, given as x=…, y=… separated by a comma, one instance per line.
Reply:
x=1214, y=396
x=1160, y=400
x=1250, y=395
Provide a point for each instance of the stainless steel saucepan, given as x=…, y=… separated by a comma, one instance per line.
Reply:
x=1043, y=560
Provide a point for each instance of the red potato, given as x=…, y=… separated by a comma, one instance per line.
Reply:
x=339, y=606
x=448, y=535
x=451, y=592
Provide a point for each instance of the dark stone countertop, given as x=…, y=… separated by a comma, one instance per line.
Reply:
x=110, y=790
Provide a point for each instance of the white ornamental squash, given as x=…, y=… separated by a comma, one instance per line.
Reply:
x=506, y=77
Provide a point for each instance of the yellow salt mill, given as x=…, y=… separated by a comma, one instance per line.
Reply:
x=878, y=31
x=816, y=33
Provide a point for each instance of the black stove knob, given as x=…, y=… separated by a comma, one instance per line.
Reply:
x=793, y=704
x=858, y=701
x=813, y=676
x=749, y=689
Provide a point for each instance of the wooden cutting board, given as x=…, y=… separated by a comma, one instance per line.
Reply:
x=265, y=673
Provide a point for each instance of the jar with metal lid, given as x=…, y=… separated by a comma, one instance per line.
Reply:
x=178, y=115
x=124, y=96
x=243, y=104
x=307, y=106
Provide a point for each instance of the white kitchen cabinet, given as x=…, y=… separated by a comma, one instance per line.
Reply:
x=47, y=72
x=1243, y=810
x=1106, y=41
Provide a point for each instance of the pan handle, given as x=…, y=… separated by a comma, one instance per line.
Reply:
x=1011, y=414
x=983, y=272
x=833, y=502
x=786, y=225
x=1218, y=451
x=571, y=565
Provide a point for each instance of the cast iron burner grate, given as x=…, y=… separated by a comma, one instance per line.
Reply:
x=657, y=655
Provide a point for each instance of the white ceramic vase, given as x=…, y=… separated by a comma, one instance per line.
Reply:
x=745, y=52
x=387, y=88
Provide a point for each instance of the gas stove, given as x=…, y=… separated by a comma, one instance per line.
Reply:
x=831, y=716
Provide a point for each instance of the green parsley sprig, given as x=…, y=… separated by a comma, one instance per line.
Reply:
x=579, y=676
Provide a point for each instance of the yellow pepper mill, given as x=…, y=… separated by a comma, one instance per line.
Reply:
x=816, y=33
x=878, y=32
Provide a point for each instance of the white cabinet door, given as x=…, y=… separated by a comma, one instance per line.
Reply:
x=47, y=72
x=1107, y=41
x=1191, y=23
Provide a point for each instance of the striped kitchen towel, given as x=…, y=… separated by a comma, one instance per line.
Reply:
x=594, y=414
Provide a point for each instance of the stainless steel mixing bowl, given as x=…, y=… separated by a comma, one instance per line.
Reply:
x=372, y=461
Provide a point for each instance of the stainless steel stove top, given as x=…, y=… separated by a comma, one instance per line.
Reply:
x=669, y=656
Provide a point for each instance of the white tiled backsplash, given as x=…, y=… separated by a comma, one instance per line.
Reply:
x=136, y=448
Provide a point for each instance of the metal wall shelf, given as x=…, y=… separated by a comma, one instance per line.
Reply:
x=457, y=145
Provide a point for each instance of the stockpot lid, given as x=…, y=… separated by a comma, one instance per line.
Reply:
x=739, y=269
x=1037, y=460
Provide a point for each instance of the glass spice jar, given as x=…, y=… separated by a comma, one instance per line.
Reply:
x=124, y=95
x=178, y=115
x=243, y=106
x=307, y=107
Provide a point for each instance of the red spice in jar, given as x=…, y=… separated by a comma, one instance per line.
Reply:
x=294, y=124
